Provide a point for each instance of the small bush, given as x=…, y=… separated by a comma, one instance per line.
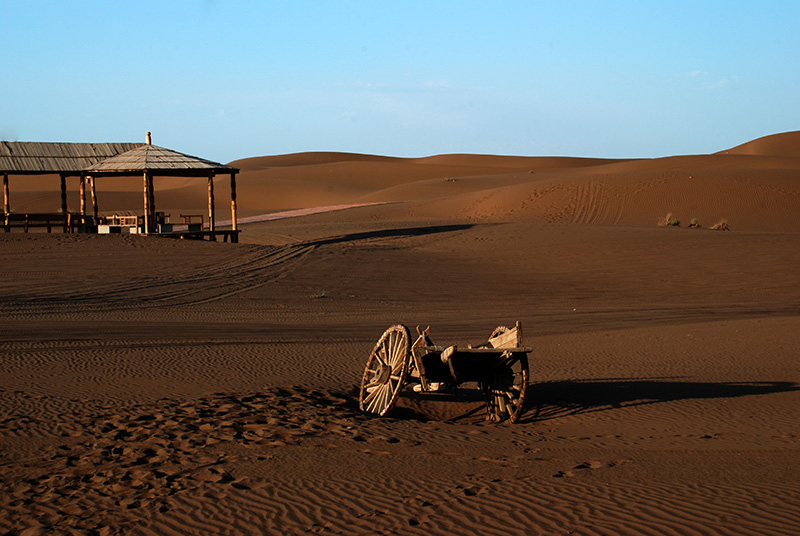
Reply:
x=722, y=225
x=694, y=223
x=669, y=219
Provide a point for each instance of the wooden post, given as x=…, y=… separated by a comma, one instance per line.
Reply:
x=83, y=195
x=146, y=188
x=6, y=201
x=153, y=222
x=63, y=200
x=63, y=194
x=211, y=221
x=149, y=198
x=233, y=201
x=94, y=198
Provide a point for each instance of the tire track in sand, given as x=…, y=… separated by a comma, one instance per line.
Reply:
x=247, y=269
x=594, y=203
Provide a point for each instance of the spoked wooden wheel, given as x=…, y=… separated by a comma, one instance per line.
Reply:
x=386, y=371
x=504, y=389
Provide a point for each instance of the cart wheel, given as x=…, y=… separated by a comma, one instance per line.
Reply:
x=505, y=387
x=386, y=371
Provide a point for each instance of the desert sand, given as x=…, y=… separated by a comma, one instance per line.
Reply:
x=155, y=386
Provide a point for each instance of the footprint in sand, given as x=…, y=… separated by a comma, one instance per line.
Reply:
x=160, y=449
x=593, y=465
x=590, y=465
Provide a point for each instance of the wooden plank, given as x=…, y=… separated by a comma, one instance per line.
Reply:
x=36, y=219
x=450, y=351
x=494, y=351
x=509, y=339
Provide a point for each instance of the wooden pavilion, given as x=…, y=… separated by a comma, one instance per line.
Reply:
x=90, y=161
x=149, y=160
x=63, y=159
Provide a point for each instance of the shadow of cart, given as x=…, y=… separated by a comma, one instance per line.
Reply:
x=552, y=400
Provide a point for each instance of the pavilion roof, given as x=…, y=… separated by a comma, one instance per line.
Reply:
x=153, y=158
x=23, y=157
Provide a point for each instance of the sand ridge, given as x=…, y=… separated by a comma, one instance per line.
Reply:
x=753, y=186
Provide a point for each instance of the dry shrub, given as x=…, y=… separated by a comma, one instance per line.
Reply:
x=668, y=220
x=721, y=225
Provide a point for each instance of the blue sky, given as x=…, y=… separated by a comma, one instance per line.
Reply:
x=232, y=79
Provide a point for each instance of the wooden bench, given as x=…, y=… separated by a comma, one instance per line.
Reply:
x=122, y=220
x=190, y=218
x=37, y=219
x=194, y=222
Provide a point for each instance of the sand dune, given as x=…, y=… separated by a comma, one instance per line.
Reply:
x=755, y=187
x=162, y=387
x=785, y=144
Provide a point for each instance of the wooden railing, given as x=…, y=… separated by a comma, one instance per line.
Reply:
x=30, y=220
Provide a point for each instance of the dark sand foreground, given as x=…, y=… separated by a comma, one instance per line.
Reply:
x=151, y=386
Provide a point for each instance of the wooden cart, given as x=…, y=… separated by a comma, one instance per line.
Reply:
x=499, y=367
